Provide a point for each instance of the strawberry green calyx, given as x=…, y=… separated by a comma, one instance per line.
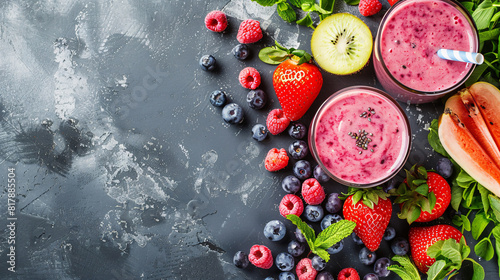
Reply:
x=414, y=195
x=369, y=197
x=277, y=54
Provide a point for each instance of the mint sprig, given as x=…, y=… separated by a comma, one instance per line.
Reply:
x=486, y=15
x=286, y=10
x=406, y=268
x=449, y=257
x=326, y=238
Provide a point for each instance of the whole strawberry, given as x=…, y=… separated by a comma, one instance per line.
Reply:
x=371, y=210
x=296, y=81
x=423, y=196
x=369, y=7
x=421, y=238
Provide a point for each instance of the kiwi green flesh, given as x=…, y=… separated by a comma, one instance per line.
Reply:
x=342, y=44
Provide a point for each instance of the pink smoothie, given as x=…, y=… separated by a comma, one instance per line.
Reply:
x=382, y=130
x=412, y=35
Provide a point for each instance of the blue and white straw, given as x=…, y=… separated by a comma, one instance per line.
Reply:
x=455, y=55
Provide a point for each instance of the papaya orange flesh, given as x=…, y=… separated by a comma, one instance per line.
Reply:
x=466, y=109
x=487, y=98
x=467, y=152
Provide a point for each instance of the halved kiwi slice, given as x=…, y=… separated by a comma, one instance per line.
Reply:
x=342, y=44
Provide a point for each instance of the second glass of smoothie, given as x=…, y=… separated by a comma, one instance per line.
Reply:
x=360, y=137
x=405, y=51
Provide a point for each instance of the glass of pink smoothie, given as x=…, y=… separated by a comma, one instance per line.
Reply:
x=360, y=137
x=408, y=38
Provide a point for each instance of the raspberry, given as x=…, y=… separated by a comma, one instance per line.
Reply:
x=261, y=256
x=313, y=192
x=249, y=32
x=369, y=7
x=276, y=159
x=291, y=204
x=305, y=271
x=216, y=21
x=249, y=78
x=348, y=274
x=276, y=121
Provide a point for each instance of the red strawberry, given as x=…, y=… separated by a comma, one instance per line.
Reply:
x=371, y=215
x=420, y=203
x=392, y=2
x=369, y=7
x=276, y=121
x=296, y=87
x=421, y=238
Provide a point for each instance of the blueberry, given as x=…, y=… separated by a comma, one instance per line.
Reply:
x=380, y=267
x=330, y=219
x=356, y=239
x=240, y=51
x=314, y=213
x=302, y=169
x=275, y=230
x=218, y=98
x=256, y=99
x=287, y=276
x=390, y=185
x=300, y=237
x=324, y=275
x=389, y=233
x=333, y=203
x=296, y=248
x=400, y=246
x=370, y=276
x=444, y=167
x=320, y=175
x=269, y=278
x=259, y=132
x=297, y=130
x=318, y=263
x=232, y=113
x=207, y=62
x=240, y=259
x=336, y=248
x=298, y=149
x=284, y=261
x=366, y=256
x=291, y=184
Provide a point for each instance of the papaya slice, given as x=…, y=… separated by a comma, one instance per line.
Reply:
x=464, y=106
x=487, y=98
x=461, y=145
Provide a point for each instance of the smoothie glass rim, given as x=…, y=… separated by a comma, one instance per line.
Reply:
x=377, y=50
x=406, y=148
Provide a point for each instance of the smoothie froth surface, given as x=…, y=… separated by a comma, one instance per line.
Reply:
x=384, y=126
x=414, y=33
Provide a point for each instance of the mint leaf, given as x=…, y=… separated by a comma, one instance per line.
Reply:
x=270, y=55
x=306, y=230
x=306, y=21
x=484, y=199
x=495, y=205
x=352, y=2
x=334, y=233
x=433, y=138
x=326, y=6
x=483, y=14
x=266, y=2
x=479, y=223
x=478, y=270
x=436, y=271
x=456, y=196
x=322, y=253
x=464, y=180
x=407, y=270
x=286, y=12
x=484, y=249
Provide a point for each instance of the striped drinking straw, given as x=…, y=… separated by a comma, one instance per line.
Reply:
x=462, y=56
